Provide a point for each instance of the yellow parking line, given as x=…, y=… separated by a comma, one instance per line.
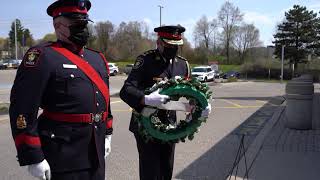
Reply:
x=261, y=101
x=230, y=102
x=114, y=102
x=120, y=110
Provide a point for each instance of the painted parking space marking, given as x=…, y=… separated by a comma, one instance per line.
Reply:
x=232, y=103
x=121, y=110
x=114, y=102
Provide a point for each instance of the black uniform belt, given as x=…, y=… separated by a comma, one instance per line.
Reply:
x=75, y=118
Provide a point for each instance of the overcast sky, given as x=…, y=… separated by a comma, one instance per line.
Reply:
x=264, y=14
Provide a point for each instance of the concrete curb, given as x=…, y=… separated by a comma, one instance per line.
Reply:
x=256, y=146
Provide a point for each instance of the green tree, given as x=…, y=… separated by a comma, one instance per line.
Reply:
x=24, y=38
x=298, y=33
x=20, y=31
x=27, y=39
x=104, y=33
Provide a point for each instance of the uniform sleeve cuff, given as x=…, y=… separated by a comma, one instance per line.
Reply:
x=31, y=156
x=109, y=131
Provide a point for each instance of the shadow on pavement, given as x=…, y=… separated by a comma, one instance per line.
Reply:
x=218, y=162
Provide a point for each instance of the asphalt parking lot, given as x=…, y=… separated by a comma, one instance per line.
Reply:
x=237, y=107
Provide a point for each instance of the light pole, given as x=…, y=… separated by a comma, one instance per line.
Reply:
x=160, y=13
x=15, y=37
x=282, y=58
x=270, y=51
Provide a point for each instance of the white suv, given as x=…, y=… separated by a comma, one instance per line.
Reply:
x=113, y=69
x=203, y=73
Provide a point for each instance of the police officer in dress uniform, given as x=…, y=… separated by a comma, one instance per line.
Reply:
x=155, y=158
x=71, y=138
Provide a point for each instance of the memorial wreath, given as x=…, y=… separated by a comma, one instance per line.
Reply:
x=198, y=95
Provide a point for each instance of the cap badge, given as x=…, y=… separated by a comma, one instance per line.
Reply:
x=82, y=4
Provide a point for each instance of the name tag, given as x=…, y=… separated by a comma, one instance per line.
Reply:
x=70, y=66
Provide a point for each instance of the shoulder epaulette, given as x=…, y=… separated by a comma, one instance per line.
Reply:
x=182, y=58
x=92, y=50
x=149, y=52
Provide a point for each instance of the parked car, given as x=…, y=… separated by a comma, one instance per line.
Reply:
x=12, y=63
x=128, y=68
x=231, y=74
x=113, y=69
x=3, y=65
x=203, y=73
x=16, y=63
x=217, y=73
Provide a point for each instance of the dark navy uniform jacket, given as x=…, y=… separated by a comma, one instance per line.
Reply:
x=149, y=68
x=48, y=80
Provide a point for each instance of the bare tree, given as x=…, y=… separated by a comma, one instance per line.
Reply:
x=204, y=30
x=229, y=17
x=127, y=39
x=246, y=37
x=92, y=37
x=131, y=39
x=186, y=50
x=104, y=32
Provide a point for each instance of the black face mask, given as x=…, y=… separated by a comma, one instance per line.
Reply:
x=170, y=53
x=79, y=34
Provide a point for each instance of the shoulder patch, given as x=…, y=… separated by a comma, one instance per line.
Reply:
x=139, y=62
x=180, y=57
x=93, y=50
x=149, y=52
x=31, y=58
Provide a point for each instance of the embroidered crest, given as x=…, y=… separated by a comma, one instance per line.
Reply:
x=31, y=58
x=138, y=63
x=21, y=122
x=149, y=52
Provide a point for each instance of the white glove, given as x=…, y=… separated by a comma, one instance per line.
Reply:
x=155, y=99
x=40, y=170
x=205, y=113
x=107, y=146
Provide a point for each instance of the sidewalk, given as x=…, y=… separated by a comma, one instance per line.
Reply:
x=279, y=153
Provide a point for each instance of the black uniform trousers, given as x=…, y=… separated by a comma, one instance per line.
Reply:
x=155, y=159
x=86, y=174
